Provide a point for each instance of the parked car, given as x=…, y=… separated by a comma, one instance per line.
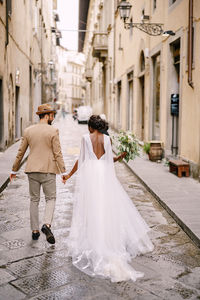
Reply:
x=83, y=114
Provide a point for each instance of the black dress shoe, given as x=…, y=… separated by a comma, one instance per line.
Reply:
x=35, y=235
x=49, y=235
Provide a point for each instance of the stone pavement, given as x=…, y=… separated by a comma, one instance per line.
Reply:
x=6, y=161
x=179, y=196
x=37, y=270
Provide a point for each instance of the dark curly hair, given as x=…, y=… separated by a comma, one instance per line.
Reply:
x=96, y=122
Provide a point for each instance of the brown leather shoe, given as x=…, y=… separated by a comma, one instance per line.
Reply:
x=35, y=235
x=49, y=235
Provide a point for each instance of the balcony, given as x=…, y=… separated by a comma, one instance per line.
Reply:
x=88, y=74
x=100, y=46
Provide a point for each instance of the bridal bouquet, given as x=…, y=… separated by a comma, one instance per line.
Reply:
x=127, y=142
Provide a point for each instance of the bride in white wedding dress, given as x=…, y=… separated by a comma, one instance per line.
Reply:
x=107, y=230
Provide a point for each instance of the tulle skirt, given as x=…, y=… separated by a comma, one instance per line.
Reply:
x=107, y=231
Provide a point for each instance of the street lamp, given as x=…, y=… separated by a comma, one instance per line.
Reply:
x=51, y=64
x=154, y=29
x=124, y=10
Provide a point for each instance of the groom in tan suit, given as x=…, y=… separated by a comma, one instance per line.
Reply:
x=45, y=160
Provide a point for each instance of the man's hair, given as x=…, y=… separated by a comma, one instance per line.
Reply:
x=41, y=116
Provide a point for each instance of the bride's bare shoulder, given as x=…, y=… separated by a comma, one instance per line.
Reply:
x=85, y=136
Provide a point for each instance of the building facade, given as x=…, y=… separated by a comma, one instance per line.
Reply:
x=148, y=76
x=27, y=47
x=98, y=50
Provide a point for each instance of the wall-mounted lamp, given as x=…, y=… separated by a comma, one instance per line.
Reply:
x=51, y=64
x=154, y=29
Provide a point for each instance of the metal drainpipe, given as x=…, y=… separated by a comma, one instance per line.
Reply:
x=190, y=43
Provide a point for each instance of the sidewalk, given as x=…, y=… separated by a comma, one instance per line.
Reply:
x=6, y=161
x=179, y=196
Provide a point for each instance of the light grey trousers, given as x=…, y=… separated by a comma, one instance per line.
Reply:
x=48, y=183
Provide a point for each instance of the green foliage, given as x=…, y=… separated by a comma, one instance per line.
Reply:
x=166, y=162
x=127, y=142
x=146, y=148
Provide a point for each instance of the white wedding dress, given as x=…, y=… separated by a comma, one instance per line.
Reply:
x=107, y=230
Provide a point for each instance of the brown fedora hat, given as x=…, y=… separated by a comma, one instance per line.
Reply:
x=45, y=109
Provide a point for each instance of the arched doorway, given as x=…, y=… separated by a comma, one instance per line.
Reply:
x=141, y=96
x=129, y=113
x=175, y=90
x=1, y=115
x=11, y=112
x=156, y=97
x=17, y=113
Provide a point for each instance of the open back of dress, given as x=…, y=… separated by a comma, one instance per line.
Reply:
x=107, y=230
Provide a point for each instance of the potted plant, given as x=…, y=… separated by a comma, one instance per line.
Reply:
x=154, y=150
x=146, y=148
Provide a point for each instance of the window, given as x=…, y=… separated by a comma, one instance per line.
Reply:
x=154, y=4
x=129, y=108
x=171, y=2
x=119, y=104
x=9, y=7
x=36, y=20
x=120, y=43
x=131, y=29
x=116, y=4
x=156, y=97
x=142, y=61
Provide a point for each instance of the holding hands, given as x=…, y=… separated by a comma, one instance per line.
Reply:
x=12, y=176
x=65, y=178
x=74, y=169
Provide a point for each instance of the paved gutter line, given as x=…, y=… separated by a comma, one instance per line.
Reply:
x=185, y=228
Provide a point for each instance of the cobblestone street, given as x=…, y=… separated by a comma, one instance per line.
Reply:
x=37, y=270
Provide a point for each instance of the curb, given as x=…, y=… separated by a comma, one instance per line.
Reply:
x=185, y=228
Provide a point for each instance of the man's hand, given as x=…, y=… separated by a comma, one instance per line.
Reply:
x=12, y=176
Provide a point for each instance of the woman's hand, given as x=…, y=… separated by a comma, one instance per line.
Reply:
x=65, y=178
x=122, y=155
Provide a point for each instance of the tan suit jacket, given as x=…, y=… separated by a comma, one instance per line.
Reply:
x=45, y=154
